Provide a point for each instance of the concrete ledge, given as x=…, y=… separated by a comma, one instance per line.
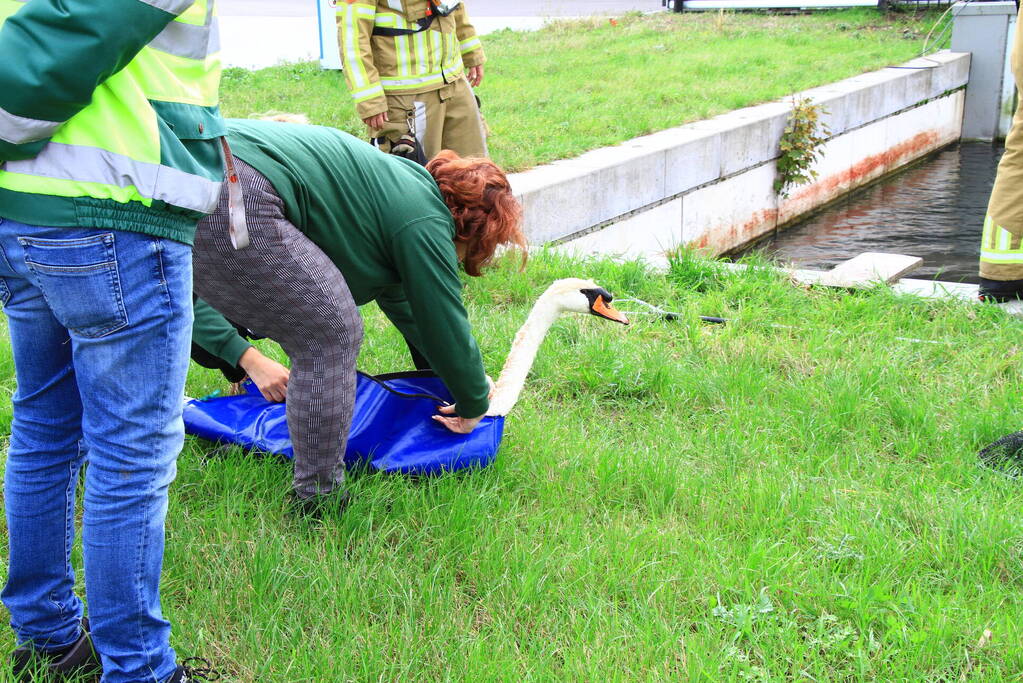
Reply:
x=722, y=169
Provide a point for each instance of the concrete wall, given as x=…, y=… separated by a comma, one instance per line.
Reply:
x=710, y=183
x=986, y=31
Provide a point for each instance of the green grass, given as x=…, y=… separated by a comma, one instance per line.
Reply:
x=575, y=86
x=793, y=495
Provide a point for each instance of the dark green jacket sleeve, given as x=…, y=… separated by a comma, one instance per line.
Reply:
x=424, y=255
x=216, y=334
x=54, y=54
x=395, y=306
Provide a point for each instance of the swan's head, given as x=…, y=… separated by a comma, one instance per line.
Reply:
x=584, y=296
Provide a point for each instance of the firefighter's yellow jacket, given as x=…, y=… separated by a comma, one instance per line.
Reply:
x=375, y=65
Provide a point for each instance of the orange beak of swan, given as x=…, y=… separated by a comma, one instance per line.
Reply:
x=605, y=310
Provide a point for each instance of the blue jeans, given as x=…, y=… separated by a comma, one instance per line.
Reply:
x=100, y=323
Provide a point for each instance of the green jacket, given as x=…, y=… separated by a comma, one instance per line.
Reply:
x=108, y=114
x=382, y=221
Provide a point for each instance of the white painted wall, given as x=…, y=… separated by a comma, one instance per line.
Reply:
x=710, y=183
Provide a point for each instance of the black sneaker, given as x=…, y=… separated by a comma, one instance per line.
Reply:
x=316, y=507
x=194, y=669
x=77, y=659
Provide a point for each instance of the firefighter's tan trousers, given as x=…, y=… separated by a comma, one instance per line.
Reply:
x=1001, y=247
x=447, y=118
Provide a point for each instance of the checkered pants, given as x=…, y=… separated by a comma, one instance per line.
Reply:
x=282, y=286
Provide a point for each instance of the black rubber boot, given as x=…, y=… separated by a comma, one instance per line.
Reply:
x=1000, y=291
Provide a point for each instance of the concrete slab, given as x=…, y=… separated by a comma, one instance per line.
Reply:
x=911, y=87
x=722, y=216
x=868, y=269
x=987, y=33
x=647, y=235
x=692, y=157
x=916, y=132
x=752, y=135
x=868, y=95
x=556, y=200
x=953, y=71
x=834, y=101
x=933, y=289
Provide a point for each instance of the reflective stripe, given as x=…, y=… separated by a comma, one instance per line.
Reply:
x=1004, y=239
x=174, y=7
x=409, y=83
x=188, y=41
x=390, y=21
x=367, y=11
x=368, y=93
x=19, y=130
x=198, y=14
x=95, y=165
x=436, y=56
x=402, y=47
x=996, y=241
x=421, y=65
x=470, y=44
x=420, y=124
x=1001, y=257
x=985, y=238
x=395, y=5
x=355, y=67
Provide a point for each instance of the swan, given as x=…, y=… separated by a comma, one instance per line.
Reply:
x=570, y=295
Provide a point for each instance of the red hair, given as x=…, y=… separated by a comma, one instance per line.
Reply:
x=480, y=199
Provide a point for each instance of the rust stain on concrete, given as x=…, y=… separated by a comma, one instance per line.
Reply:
x=725, y=238
x=863, y=171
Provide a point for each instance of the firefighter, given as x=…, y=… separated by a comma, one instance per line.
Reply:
x=1001, y=248
x=409, y=65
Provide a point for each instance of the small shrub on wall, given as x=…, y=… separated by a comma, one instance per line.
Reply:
x=800, y=145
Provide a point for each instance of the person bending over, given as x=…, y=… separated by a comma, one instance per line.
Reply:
x=334, y=224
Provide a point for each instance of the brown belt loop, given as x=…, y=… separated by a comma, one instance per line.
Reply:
x=237, y=229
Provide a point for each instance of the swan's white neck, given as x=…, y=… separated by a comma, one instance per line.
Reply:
x=523, y=351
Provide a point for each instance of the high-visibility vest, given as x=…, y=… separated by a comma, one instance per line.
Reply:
x=421, y=61
x=136, y=141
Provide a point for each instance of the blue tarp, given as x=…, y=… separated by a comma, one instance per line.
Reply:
x=393, y=433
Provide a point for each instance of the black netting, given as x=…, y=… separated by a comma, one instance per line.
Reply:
x=1005, y=455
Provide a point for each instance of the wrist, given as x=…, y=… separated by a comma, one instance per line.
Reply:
x=249, y=359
